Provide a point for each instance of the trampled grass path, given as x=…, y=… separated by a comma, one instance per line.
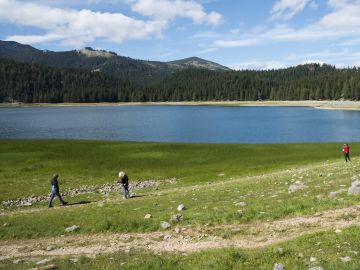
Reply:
x=247, y=236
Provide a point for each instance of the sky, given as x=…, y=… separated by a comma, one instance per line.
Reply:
x=240, y=34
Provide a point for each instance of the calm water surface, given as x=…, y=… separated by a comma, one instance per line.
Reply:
x=182, y=124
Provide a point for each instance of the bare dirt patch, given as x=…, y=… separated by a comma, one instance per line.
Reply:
x=186, y=239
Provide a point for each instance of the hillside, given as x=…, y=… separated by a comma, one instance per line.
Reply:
x=102, y=61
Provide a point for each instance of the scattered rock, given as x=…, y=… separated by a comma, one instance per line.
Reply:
x=316, y=268
x=297, y=186
x=181, y=207
x=178, y=230
x=48, y=267
x=44, y=261
x=338, y=231
x=355, y=188
x=6, y=225
x=313, y=259
x=334, y=194
x=279, y=266
x=345, y=259
x=17, y=261
x=221, y=174
x=72, y=228
x=240, y=204
x=50, y=248
x=280, y=251
x=176, y=218
x=74, y=260
x=148, y=216
x=301, y=255
x=165, y=225
x=166, y=237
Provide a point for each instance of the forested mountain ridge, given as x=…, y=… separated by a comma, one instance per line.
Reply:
x=25, y=82
x=303, y=82
x=139, y=71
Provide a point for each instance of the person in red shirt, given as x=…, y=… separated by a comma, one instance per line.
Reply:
x=346, y=151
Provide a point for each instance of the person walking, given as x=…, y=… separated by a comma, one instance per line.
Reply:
x=346, y=151
x=55, y=190
x=124, y=181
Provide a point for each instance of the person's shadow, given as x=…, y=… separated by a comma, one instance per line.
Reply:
x=137, y=196
x=76, y=203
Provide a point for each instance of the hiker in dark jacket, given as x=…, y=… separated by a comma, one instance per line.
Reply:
x=124, y=181
x=55, y=190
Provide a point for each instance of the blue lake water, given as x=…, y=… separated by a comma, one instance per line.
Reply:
x=203, y=124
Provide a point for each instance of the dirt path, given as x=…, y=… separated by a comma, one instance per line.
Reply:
x=189, y=239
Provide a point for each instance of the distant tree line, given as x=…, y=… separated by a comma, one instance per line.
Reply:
x=26, y=82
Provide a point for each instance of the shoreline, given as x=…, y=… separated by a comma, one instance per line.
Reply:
x=328, y=105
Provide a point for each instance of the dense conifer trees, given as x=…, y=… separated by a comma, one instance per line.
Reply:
x=34, y=83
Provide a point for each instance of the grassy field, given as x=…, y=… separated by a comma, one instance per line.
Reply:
x=27, y=166
x=228, y=191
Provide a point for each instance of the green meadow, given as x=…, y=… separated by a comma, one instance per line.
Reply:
x=27, y=166
x=220, y=185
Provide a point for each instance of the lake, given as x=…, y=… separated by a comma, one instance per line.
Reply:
x=205, y=124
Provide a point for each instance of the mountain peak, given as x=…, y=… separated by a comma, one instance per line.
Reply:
x=90, y=52
x=196, y=62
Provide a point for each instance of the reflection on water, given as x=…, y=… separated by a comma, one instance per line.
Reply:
x=182, y=124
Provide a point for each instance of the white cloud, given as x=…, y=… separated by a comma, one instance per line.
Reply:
x=167, y=10
x=75, y=27
x=238, y=43
x=345, y=14
x=342, y=22
x=286, y=9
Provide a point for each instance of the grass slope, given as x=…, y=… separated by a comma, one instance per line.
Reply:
x=27, y=166
x=254, y=189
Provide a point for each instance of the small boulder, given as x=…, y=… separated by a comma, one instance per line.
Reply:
x=44, y=261
x=17, y=261
x=72, y=228
x=355, y=188
x=148, y=216
x=279, y=266
x=50, y=248
x=176, y=218
x=297, y=186
x=316, y=268
x=165, y=225
x=345, y=259
x=48, y=267
x=181, y=207
x=178, y=230
x=333, y=195
x=279, y=251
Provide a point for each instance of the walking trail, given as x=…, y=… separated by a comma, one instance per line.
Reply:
x=186, y=239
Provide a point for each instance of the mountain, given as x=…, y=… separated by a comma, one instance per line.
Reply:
x=195, y=62
x=103, y=61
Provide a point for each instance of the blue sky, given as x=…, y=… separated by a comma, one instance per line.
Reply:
x=255, y=34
